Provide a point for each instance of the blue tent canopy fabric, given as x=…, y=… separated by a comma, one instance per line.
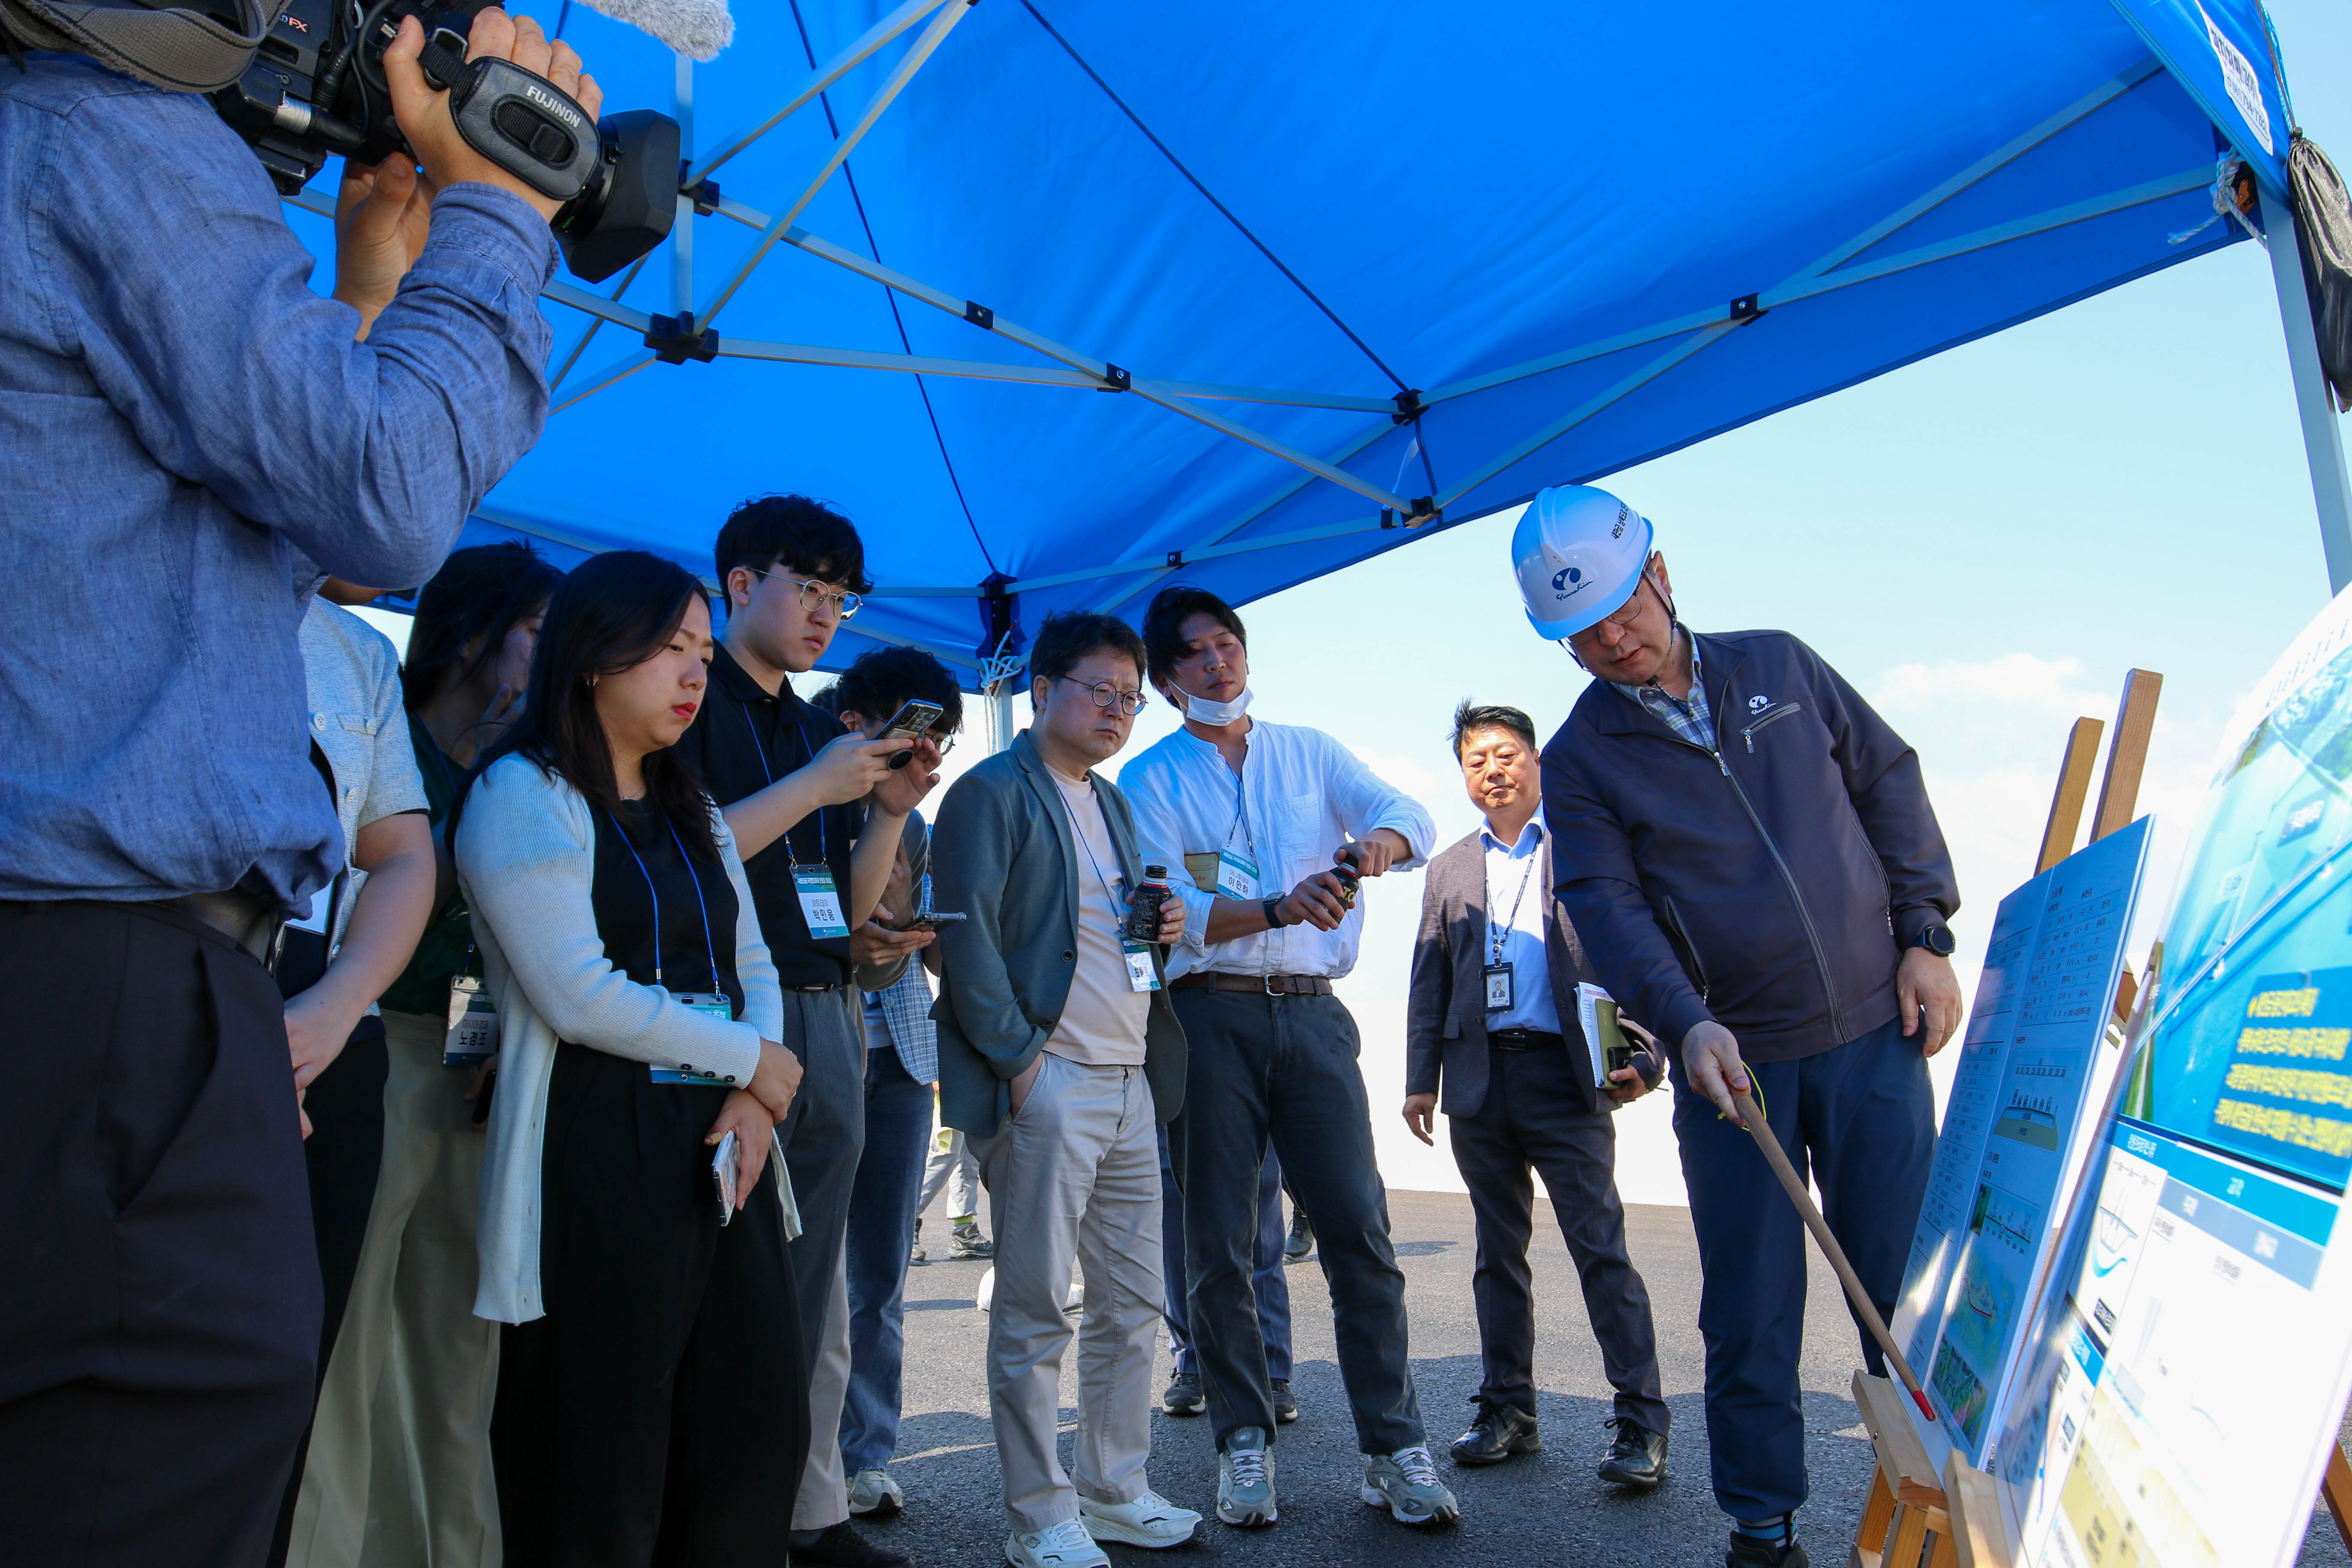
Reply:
x=1104, y=294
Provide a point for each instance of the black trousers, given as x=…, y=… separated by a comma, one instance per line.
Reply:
x=1283, y=1068
x=658, y=1412
x=1533, y=1120
x=158, y=1287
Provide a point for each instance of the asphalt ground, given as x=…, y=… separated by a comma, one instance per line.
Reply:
x=1546, y=1508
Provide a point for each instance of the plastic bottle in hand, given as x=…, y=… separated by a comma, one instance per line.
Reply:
x=1143, y=910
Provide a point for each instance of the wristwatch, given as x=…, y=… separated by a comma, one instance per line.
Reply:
x=1936, y=939
x=1272, y=914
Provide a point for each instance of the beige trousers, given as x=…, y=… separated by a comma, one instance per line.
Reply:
x=399, y=1472
x=1075, y=1174
x=824, y=1497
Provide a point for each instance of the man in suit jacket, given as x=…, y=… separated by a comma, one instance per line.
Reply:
x=1059, y=1054
x=1492, y=1022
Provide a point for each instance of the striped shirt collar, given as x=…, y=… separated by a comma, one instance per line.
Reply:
x=1686, y=717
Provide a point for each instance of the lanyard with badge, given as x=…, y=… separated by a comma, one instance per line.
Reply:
x=1498, y=974
x=1237, y=869
x=1140, y=973
x=820, y=897
x=472, y=1036
x=713, y=1002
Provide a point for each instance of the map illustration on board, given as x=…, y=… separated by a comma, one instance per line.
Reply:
x=2134, y=1431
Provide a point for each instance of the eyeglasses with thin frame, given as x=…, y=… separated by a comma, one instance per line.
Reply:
x=1129, y=703
x=813, y=593
x=1621, y=620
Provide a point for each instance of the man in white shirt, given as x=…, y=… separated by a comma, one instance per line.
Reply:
x=1059, y=1054
x=1255, y=822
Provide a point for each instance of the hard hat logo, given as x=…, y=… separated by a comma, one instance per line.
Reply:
x=1624, y=512
x=1562, y=579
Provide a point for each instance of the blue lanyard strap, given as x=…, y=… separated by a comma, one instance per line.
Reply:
x=654, y=894
x=1499, y=934
x=1240, y=814
x=824, y=848
x=1087, y=850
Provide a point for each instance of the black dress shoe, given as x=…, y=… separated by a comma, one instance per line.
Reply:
x=1185, y=1396
x=838, y=1546
x=1285, y=1404
x=1752, y=1552
x=1638, y=1456
x=1499, y=1432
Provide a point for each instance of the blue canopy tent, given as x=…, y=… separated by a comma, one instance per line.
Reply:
x=1058, y=298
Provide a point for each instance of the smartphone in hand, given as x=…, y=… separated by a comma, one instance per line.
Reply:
x=911, y=722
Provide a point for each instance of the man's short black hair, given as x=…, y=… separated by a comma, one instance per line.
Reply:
x=1474, y=716
x=1163, y=625
x=883, y=679
x=1069, y=635
x=794, y=533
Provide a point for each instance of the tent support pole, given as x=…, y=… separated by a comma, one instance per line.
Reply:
x=823, y=77
x=2323, y=437
x=681, y=228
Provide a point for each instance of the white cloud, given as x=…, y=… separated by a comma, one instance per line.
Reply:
x=2049, y=685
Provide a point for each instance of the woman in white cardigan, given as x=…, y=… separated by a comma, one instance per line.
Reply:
x=651, y=1397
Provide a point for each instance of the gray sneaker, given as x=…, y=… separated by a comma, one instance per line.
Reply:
x=1405, y=1483
x=916, y=1253
x=874, y=1495
x=965, y=1241
x=1245, y=1481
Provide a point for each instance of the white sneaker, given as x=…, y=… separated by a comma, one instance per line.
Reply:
x=874, y=1495
x=1063, y=1545
x=1149, y=1520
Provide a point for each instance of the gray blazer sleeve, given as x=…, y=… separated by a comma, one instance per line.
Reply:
x=974, y=842
x=1431, y=996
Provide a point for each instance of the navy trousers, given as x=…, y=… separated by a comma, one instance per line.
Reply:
x=1271, y=1285
x=1862, y=1118
x=881, y=1233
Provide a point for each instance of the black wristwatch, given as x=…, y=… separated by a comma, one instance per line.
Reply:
x=1937, y=940
x=1272, y=914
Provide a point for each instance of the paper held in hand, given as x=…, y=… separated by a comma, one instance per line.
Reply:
x=1596, y=1013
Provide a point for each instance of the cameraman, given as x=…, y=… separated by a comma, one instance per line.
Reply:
x=184, y=427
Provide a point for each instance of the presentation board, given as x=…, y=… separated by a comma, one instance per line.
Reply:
x=2035, y=1066
x=2179, y=1396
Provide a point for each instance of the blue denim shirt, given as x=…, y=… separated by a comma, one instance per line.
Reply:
x=185, y=426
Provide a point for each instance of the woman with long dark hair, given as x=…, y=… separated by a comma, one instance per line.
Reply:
x=651, y=1397
x=399, y=1468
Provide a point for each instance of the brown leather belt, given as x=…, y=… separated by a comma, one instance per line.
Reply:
x=1254, y=984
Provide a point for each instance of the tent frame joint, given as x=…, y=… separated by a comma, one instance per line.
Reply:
x=1409, y=406
x=1746, y=307
x=676, y=338
x=1117, y=379
x=979, y=315
x=703, y=194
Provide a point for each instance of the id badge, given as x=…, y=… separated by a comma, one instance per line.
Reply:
x=820, y=901
x=1141, y=975
x=473, y=1036
x=716, y=1006
x=1236, y=875
x=1498, y=987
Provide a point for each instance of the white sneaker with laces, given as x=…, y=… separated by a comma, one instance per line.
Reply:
x=1063, y=1545
x=874, y=1495
x=1149, y=1520
x=1405, y=1483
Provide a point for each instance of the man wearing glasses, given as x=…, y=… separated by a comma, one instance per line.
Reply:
x=1059, y=1054
x=789, y=779
x=1251, y=820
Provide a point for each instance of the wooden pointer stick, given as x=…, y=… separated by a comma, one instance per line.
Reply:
x=1864, y=1308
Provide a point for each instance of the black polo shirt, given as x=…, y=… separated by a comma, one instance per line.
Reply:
x=742, y=740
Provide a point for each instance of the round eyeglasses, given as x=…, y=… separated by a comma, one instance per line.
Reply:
x=1129, y=703
x=813, y=593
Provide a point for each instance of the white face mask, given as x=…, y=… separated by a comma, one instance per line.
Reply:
x=1216, y=715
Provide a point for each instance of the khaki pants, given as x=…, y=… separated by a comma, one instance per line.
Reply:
x=824, y=1499
x=1074, y=1175
x=399, y=1469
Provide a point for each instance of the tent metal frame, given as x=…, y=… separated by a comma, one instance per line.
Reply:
x=1076, y=370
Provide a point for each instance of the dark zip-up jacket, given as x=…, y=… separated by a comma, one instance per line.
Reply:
x=1771, y=884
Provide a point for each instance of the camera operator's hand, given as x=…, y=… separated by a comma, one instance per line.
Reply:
x=424, y=114
x=382, y=216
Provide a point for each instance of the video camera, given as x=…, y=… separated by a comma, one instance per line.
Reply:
x=316, y=87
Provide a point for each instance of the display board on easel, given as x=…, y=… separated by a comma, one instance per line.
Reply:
x=2178, y=1398
x=2035, y=1064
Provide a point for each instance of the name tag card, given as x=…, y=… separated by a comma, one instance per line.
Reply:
x=715, y=1006
x=1236, y=875
x=1498, y=987
x=473, y=1036
x=820, y=901
x=1141, y=975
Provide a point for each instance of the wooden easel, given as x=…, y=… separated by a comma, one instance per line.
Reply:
x=1915, y=1517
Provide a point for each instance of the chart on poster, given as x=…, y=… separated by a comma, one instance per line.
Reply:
x=2034, y=1074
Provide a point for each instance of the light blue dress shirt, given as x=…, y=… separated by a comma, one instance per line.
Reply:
x=1518, y=890
x=184, y=427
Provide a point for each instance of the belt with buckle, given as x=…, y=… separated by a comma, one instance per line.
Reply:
x=247, y=918
x=1254, y=984
x=1523, y=1040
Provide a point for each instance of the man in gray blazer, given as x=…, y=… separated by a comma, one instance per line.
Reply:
x=1059, y=1054
x=1493, y=1022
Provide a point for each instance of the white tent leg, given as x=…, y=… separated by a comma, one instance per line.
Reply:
x=2323, y=437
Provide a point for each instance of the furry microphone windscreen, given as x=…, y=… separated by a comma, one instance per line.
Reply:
x=696, y=28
